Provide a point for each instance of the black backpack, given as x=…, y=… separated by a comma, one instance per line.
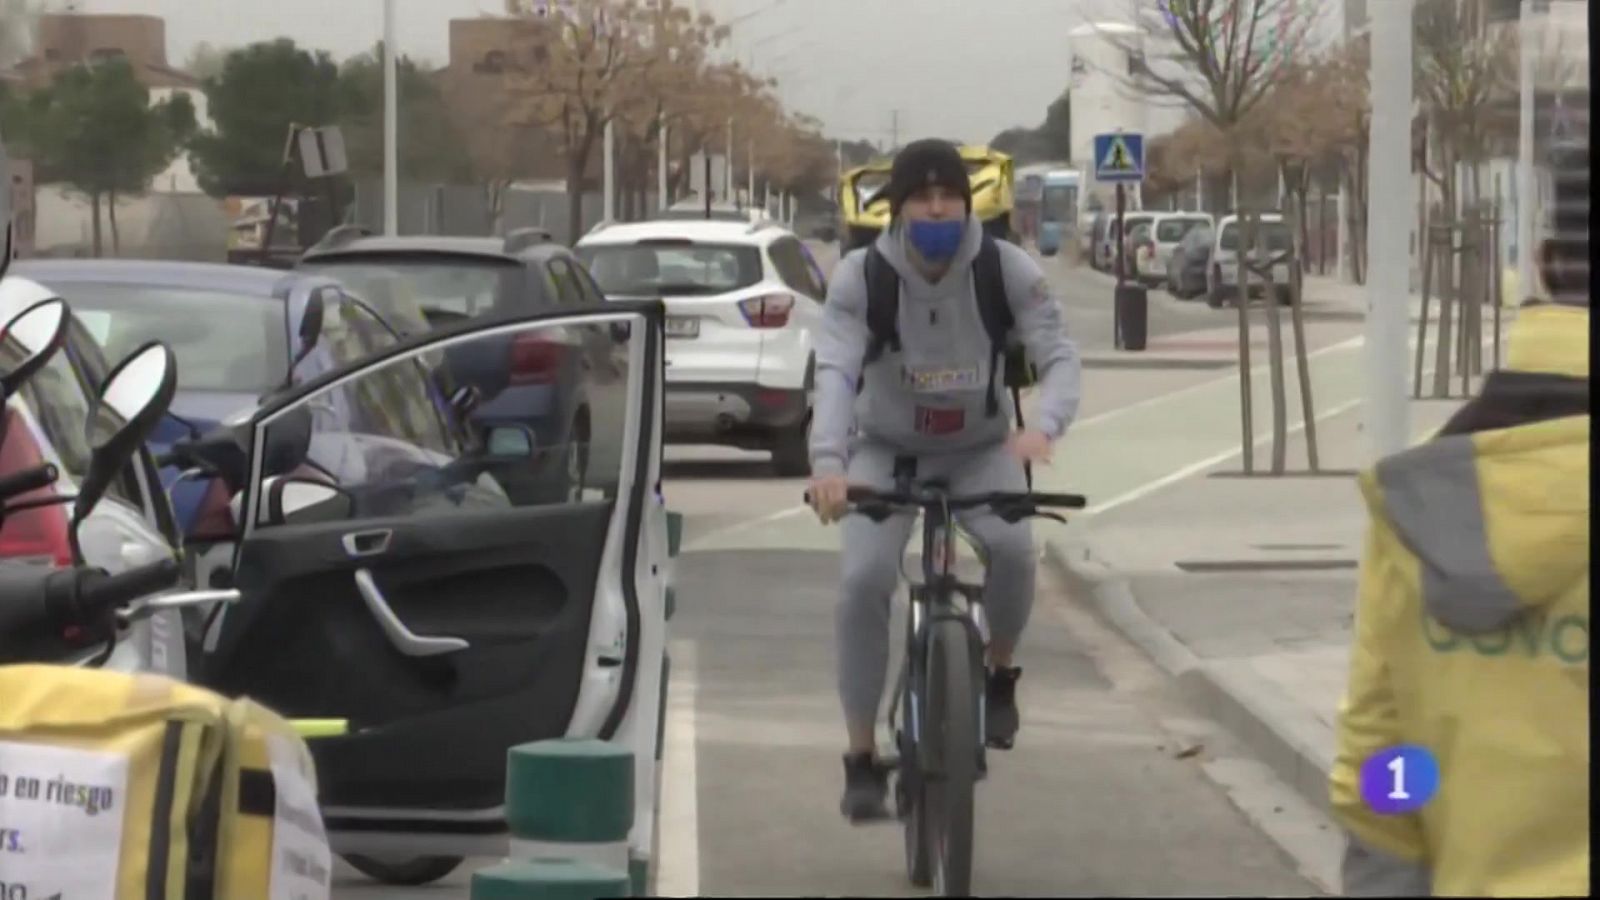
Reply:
x=989, y=282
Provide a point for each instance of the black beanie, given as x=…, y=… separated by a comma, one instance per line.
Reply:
x=925, y=162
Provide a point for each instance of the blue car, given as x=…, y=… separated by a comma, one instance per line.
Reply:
x=235, y=330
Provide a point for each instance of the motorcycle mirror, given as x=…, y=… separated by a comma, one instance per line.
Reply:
x=30, y=339
x=134, y=397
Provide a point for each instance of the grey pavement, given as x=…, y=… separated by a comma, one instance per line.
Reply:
x=1243, y=589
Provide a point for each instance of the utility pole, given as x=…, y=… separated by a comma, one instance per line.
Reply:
x=661, y=169
x=894, y=130
x=750, y=172
x=728, y=174
x=609, y=181
x=391, y=126
x=1526, y=190
x=1387, y=407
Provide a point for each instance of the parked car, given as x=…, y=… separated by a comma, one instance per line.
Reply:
x=1222, y=283
x=1189, y=262
x=520, y=380
x=1169, y=230
x=1106, y=245
x=444, y=625
x=234, y=330
x=43, y=422
x=743, y=304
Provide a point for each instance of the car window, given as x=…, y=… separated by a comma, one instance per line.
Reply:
x=674, y=268
x=788, y=258
x=1172, y=230
x=253, y=358
x=818, y=279
x=592, y=295
x=568, y=292
x=1278, y=238
x=536, y=425
x=58, y=396
x=418, y=291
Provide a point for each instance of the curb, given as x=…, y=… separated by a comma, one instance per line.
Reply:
x=1262, y=718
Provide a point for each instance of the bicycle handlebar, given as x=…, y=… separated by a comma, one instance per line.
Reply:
x=1010, y=505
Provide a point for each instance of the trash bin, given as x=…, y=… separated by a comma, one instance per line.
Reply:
x=1132, y=315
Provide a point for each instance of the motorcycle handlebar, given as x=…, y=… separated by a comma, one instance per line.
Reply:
x=27, y=480
x=48, y=614
x=111, y=591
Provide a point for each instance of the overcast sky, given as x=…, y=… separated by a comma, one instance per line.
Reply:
x=917, y=62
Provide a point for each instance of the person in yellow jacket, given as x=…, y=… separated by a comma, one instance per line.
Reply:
x=1472, y=623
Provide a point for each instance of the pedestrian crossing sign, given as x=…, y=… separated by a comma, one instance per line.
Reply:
x=1119, y=157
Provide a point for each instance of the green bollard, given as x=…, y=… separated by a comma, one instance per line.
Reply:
x=570, y=798
x=549, y=879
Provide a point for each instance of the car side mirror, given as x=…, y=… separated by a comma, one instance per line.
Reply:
x=288, y=441
x=29, y=340
x=132, y=400
x=621, y=331
x=298, y=501
x=510, y=441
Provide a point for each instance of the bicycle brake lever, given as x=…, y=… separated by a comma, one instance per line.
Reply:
x=1050, y=515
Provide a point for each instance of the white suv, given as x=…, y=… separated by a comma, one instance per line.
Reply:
x=744, y=301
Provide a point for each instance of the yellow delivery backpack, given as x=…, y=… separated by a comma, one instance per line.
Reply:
x=140, y=787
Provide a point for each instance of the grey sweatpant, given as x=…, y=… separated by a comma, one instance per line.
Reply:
x=872, y=552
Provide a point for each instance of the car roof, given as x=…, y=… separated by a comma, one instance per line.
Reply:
x=1230, y=218
x=425, y=244
x=757, y=234
x=248, y=280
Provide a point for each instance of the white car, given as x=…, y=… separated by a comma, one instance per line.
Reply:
x=1169, y=229
x=744, y=301
x=1223, y=278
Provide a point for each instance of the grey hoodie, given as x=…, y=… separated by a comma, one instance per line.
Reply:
x=929, y=397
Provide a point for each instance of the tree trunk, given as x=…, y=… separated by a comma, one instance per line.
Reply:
x=1254, y=237
x=577, y=166
x=1302, y=357
x=1448, y=300
x=1246, y=395
x=111, y=217
x=94, y=227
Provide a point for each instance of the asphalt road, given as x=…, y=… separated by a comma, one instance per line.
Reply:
x=1098, y=799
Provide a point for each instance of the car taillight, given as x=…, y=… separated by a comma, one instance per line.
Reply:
x=535, y=359
x=33, y=534
x=771, y=311
x=213, y=520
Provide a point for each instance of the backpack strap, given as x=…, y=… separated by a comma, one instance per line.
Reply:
x=883, y=304
x=989, y=284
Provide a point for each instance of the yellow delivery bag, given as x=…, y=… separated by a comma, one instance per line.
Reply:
x=139, y=787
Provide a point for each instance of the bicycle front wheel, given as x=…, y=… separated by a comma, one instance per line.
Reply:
x=950, y=748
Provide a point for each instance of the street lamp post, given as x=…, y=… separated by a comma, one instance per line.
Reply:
x=1525, y=186
x=391, y=114
x=1387, y=408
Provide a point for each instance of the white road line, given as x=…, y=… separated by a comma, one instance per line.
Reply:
x=1196, y=468
x=678, y=825
x=736, y=527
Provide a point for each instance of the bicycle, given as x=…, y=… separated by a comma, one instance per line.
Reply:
x=941, y=681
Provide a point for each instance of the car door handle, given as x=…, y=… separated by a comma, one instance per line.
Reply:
x=403, y=638
x=367, y=543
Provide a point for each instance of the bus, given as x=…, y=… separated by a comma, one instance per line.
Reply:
x=1058, y=219
x=865, y=213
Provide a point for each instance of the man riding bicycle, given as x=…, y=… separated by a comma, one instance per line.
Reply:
x=930, y=395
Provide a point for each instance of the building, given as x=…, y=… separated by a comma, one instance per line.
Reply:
x=1104, y=55
x=483, y=52
x=69, y=39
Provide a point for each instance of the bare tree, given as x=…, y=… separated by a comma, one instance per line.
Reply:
x=1221, y=60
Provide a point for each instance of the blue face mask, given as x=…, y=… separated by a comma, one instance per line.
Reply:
x=937, y=241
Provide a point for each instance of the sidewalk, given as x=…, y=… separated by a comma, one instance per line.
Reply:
x=1243, y=590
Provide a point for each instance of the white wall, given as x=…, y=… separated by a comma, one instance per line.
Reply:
x=179, y=177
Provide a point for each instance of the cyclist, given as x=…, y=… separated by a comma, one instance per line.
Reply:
x=1472, y=619
x=930, y=398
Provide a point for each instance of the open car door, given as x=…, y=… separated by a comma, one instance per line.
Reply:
x=396, y=573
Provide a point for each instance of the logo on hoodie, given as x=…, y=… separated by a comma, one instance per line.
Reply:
x=941, y=379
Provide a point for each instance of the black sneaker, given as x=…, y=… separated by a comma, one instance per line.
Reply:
x=866, y=788
x=1000, y=709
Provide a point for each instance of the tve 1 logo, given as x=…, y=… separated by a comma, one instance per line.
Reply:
x=1399, y=780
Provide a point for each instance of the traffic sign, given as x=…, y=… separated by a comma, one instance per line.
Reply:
x=1119, y=157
